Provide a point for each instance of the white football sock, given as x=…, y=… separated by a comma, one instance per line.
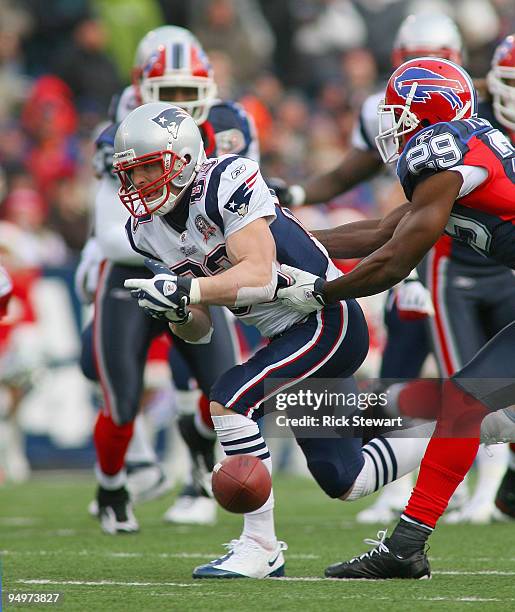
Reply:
x=239, y=435
x=140, y=448
x=387, y=459
x=110, y=482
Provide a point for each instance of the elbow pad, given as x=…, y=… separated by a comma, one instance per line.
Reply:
x=247, y=296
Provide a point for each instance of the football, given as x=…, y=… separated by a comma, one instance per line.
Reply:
x=241, y=483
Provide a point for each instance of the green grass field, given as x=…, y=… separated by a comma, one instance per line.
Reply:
x=48, y=543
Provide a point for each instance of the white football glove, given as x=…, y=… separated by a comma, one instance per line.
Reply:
x=88, y=270
x=304, y=294
x=413, y=300
x=165, y=296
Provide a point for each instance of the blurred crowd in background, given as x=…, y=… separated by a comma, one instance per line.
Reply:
x=300, y=67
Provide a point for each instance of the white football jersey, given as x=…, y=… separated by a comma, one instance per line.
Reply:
x=228, y=194
x=367, y=127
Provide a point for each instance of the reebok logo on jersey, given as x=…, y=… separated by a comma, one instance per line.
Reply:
x=169, y=288
x=237, y=171
x=428, y=83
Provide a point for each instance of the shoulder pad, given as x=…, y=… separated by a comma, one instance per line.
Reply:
x=435, y=149
x=106, y=137
x=231, y=125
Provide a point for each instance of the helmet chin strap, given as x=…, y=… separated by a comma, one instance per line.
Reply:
x=460, y=114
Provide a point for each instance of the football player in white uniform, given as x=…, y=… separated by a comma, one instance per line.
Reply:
x=170, y=64
x=215, y=229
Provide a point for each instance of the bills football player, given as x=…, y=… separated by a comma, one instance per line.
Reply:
x=457, y=171
x=170, y=64
x=473, y=297
x=223, y=213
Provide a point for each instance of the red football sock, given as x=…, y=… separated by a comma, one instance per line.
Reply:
x=204, y=413
x=420, y=399
x=448, y=457
x=444, y=466
x=111, y=442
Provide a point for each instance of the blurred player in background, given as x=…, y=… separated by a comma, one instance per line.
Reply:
x=457, y=172
x=473, y=297
x=6, y=289
x=170, y=65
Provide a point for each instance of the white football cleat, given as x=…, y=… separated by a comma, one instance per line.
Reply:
x=246, y=558
x=192, y=510
x=146, y=482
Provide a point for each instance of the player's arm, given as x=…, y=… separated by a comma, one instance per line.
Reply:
x=356, y=167
x=253, y=277
x=361, y=238
x=414, y=235
x=198, y=327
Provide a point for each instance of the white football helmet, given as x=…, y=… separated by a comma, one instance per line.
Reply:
x=171, y=57
x=427, y=34
x=501, y=82
x=161, y=133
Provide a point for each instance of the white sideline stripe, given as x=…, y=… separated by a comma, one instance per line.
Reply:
x=105, y=583
x=473, y=573
x=18, y=521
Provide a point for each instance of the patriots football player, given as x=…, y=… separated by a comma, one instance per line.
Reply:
x=169, y=64
x=457, y=172
x=221, y=210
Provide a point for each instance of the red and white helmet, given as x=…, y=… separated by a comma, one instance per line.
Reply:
x=501, y=82
x=427, y=34
x=422, y=92
x=172, y=57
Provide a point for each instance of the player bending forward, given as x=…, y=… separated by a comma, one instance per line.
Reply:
x=458, y=172
x=215, y=227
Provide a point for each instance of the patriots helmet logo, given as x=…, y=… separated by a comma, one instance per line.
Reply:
x=170, y=119
x=429, y=83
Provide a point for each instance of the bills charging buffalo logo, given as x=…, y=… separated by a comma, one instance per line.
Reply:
x=170, y=119
x=240, y=199
x=428, y=84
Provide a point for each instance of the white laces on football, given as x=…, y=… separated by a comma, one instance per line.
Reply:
x=379, y=546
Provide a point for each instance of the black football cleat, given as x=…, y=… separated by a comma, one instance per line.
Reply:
x=115, y=511
x=381, y=564
x=505, y=499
